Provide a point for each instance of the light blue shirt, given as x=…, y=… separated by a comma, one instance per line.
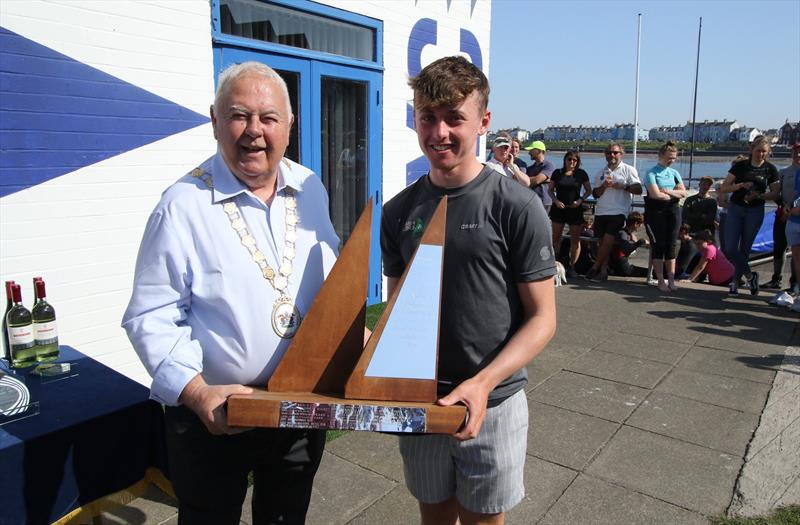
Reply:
x=664, y=178
x=200, y=303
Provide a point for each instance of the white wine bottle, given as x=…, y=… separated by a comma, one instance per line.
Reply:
x=45, y=331
x=20, y=332
x=9, y=304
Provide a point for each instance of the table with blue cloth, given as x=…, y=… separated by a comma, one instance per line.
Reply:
x=96, y=441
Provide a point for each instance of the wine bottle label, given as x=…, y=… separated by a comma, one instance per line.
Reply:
x=45, y=333
x=20, y=335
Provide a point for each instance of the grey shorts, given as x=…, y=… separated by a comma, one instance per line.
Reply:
x=485, y=474
x=792, y=233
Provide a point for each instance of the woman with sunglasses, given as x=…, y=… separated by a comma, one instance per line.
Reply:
x=751, y=182
x=565, y=192
x=662, y=215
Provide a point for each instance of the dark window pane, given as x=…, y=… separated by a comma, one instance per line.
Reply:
x=344, y=150
x=292, y=80
x=290, y=27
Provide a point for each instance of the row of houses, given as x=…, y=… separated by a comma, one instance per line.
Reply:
x=707, y=131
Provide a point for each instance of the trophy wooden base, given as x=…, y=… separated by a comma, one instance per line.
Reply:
x=308, y=410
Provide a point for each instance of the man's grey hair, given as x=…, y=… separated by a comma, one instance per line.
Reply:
x=235, y=71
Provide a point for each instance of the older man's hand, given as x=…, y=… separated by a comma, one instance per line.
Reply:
x=208, y=402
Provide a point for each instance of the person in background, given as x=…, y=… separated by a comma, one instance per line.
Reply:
x=665, y=189
x=217, y=299
x=699, y=211
x=614, y=186
x=793, y=230
x=501, y=160
x=712, y=263
x=539, y=173
x=751, y=182
x=687, y=253
x=565, y=193
x=515, y=148
x=723, y=200
x=628, y=242
x=498, y=287
x=785, y=198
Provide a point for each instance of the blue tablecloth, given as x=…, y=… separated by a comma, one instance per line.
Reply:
x=95, y=434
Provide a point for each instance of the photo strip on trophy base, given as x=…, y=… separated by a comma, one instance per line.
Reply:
x=328, y=378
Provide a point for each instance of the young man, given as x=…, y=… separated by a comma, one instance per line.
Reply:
x=498, y=301
x=515, y=147
x=613, y=188
x=540, y=172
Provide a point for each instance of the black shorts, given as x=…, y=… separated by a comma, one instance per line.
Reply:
x=608, y=224
x=569, y=216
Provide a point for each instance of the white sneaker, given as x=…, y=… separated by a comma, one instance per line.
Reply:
x=782, y=299
x=651, y=281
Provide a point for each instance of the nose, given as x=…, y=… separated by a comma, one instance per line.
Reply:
x=253, y=128
x=441, y=130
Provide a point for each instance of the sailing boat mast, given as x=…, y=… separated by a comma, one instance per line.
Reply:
x=694, y=102
x=636, y=97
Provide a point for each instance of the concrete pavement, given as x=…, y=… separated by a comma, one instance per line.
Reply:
x=642, y=410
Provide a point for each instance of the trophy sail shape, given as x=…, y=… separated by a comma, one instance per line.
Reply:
x=306, y=390
x=400, y=359
x=331, y=337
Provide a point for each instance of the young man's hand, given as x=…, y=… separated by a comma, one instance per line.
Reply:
x=475, y=395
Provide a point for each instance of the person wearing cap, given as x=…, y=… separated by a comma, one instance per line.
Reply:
x=501, y=156
x=539, y=173
x=503, y=160
x=785, y=197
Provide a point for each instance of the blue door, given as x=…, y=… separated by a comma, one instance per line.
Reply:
x=337, y=134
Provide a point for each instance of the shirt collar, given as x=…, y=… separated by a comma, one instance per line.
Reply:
x=226, y=185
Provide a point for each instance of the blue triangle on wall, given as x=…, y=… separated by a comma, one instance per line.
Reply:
x=58, y=115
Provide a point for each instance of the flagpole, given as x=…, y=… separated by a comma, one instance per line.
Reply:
x=694, y=102
x=636, y=104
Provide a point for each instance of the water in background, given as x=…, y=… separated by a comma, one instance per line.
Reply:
x=592, y=163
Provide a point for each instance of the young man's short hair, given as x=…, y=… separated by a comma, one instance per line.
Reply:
x=708, y=180
x=447, y=82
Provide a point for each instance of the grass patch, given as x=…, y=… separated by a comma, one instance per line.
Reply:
x=783, y=516
x=373, y=313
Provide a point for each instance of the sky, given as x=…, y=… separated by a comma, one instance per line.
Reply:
x=555, y=62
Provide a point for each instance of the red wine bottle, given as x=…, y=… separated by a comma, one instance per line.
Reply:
x=45, y=331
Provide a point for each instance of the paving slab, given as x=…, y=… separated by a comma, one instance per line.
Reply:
x=566, y=438
x=653, y=324
x=398, y=507
x=342, y=490
x=152, y=508
x=589, y=395
x=731, y=364
x=615, y=367
x=729, y=392
x=545, y=482
x=707, y=425
x=591, y=501
x=685, y=475
x=371, y=450
x=652, y=348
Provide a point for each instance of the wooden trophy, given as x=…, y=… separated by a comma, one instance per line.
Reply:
x=328, y=380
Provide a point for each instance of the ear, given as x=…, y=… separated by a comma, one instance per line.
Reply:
x=213, y=120
x=485, y=120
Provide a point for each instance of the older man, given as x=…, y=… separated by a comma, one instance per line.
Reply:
x=231, y=259
x=613, y=187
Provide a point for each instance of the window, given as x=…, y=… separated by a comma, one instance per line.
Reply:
x=291, y=27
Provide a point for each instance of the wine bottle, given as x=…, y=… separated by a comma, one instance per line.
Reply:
x=45, y=331
x=9, y=304
x=20, y=332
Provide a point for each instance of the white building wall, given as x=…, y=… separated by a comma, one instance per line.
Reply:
x=399, y=16
x=81, y=230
